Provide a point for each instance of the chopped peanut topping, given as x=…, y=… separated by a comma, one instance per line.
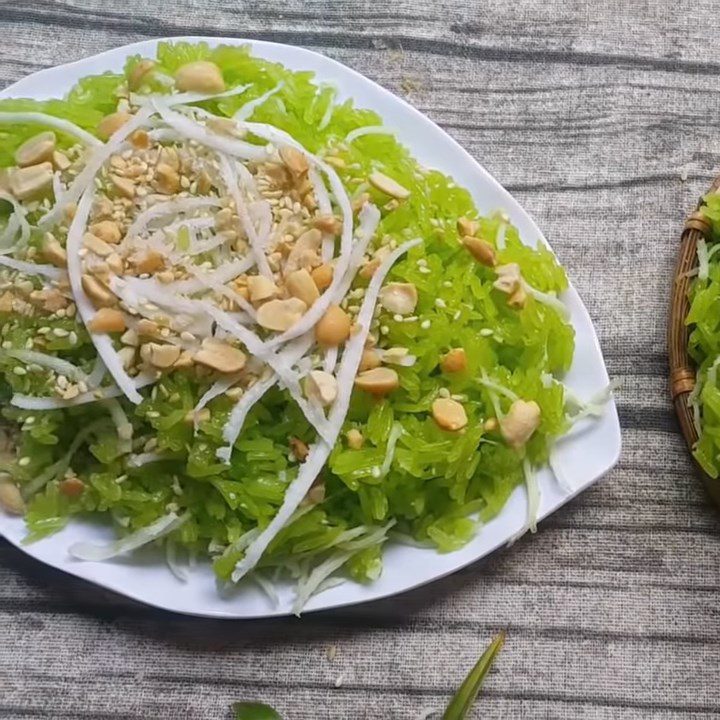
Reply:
x=369, y=360
x=449, y=414
x=71, y=487
x=380, y=381
x=123, y=186
x=281, y=315
x=388, y=186
x=481, y=250
x=518, y=299
x=147, y=327
x=508, y=278
x=149, y=262
x=304, y=253
x=138, y=75
x=321, y=388
x=107, y=320
x=167, y=179
x=399, y=298
x=467, y=227
x=454, y=361
x=355, y=439
x=96, y=245
x=369, y=268
x=37, y=149
x=322, y=276
x=60, y=161
x=185, y=360
x=160, y=356
x=29, y=182
x=220, y=356
x=333, y=328
x=299, y=449
x=110, y=124
x=328, y=224
x=53, y=251
x=97, y=291
x=199, y=76
x=261, y=288
x=294, y=159
x=10, y=498
x=106, y=230
x=301, y=285
x=522, y=420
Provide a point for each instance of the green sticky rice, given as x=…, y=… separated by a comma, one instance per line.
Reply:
x=440, y=486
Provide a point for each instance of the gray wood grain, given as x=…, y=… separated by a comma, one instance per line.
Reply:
x=602, y=119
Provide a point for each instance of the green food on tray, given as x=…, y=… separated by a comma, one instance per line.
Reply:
x=704, y=343
x=240, y=321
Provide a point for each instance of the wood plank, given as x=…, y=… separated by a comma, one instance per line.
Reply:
x=602, y=120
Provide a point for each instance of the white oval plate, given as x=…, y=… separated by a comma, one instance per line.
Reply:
x=582, y=458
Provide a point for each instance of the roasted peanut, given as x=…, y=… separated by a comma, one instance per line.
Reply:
x=380, y=381
x=521, y=421
x=199, y=76
x=333, y=328
x=107, y=320
x=454, y=361
x=449, y=414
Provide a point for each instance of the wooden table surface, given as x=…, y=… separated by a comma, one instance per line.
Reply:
x=602, y=119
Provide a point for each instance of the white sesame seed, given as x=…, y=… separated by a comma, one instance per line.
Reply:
x=486, y=332
x=440, y=303
x=444, y=393
x=425, y=324
x=60, y=332
x=384, y=330
x=73, y=338
x=424, y=270
x=398, y=318
x=20, y=370
x=24, y=461
x=422, y=262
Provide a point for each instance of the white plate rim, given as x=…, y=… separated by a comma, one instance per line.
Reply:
x=58, y=79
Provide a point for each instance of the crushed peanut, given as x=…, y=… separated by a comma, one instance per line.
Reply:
x=333, y=328
x=220, y=356
x=399, y=298
x=521, y=421
x=449, y=414
x=355, y=439
x=454, y=361
x=301, y=285
x=107, y=320
x=387, y=185
x=199, y=76
x=37, y=149
x=280, y=315
x=110, y=124
x=321, y=388
x=10, y=498
x=379, y=381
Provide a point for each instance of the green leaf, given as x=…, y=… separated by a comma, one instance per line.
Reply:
x=254, y=711
x=463, y=700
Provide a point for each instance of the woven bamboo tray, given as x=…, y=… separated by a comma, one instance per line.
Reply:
x=682, y=368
